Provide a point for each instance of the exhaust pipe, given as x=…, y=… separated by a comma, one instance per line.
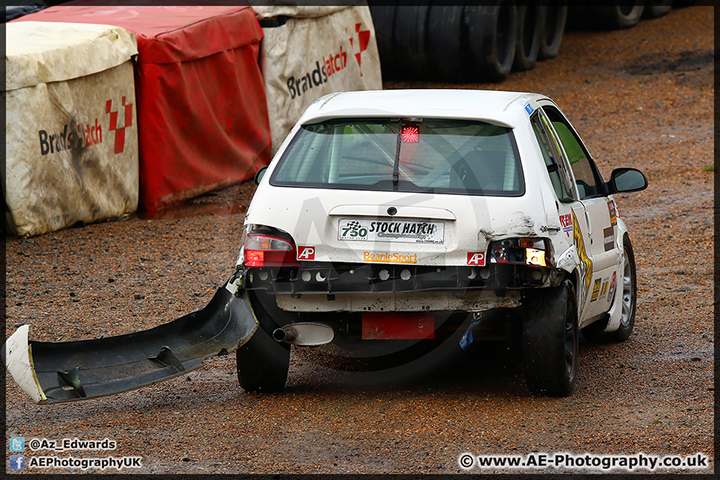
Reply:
x=304, y=334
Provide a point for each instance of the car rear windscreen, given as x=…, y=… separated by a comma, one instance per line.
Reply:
x=408, y=155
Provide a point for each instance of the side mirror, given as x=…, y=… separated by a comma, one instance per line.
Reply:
x=623, y=180
x=259, y=175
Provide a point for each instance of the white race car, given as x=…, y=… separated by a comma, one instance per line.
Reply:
x=398, y=216
x=397, y=225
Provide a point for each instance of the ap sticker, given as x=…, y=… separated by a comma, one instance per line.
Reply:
x=306, y=253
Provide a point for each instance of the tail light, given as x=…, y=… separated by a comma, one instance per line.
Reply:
x=520, y=251
x=269, y=251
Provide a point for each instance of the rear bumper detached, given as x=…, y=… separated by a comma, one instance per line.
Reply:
x=58, y=372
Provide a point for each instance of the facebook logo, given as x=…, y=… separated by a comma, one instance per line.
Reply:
x=17, y=462
x=17, y=444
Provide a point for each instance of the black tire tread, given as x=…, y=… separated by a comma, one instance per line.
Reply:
x=527, y=50
x=543, y=342
x=489, y=46
x=409, y=40
x=553, y=31
x=262, y=362
x=383, y=19
x=657, y=9
x=444, y=42
x=611, y=18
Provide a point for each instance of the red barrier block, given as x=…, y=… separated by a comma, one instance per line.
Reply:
x=201, y=106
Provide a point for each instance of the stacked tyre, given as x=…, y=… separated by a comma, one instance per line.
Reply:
x=616, y=17
x=431, y=40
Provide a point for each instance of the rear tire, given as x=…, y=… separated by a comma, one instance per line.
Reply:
x=550, y=342
x=262, y=362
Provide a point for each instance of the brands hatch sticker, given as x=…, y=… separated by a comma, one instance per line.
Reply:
x=77, y=136
x=403, y=231
x=335, y=62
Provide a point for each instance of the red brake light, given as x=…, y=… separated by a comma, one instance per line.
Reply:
x=410, y=134
x=269, y=251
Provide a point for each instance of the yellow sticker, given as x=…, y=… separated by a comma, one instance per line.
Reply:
x=587, y=264
x=596, y=290
x=605, y=288
x=405, y=258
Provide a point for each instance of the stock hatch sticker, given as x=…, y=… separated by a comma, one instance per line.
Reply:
x=403, y=231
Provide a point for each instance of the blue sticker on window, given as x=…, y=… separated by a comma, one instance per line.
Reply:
x=528, y=108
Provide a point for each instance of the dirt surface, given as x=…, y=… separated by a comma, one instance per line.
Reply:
x=641, y=97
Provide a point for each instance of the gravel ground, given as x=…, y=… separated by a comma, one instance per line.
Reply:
x=642, y=98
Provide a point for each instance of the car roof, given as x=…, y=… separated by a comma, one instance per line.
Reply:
x=494, y=106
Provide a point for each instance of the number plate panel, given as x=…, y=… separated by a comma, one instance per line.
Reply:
x=385, y=230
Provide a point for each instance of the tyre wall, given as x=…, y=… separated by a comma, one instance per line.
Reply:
x=201, y=98
x=71, y=127
x=465, y=42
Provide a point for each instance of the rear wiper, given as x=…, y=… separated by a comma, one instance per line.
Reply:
x=396, y=165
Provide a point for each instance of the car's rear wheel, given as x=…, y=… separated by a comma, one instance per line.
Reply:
x=262, y=362
x=550, y=342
